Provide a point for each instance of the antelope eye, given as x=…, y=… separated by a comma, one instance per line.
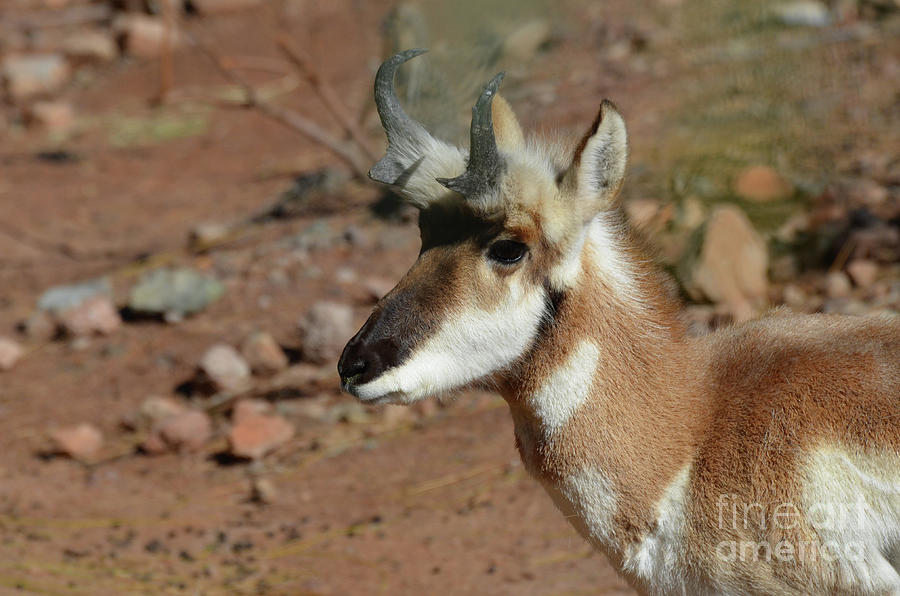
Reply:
x=507, y=252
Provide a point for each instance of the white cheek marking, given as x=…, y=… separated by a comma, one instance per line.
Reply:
x=469, y=346
x=567, y=388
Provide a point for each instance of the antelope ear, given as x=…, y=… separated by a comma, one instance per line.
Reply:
x=598, y=166
x=507, y=130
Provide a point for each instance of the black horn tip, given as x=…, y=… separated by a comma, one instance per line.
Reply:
x=487, y=96
x=464, y=184
x=494, y=84
x=385, y=75
x=401, y=57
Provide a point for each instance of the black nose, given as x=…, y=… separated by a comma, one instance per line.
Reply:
x=384, y=342
x=366, y=356
x=351, y=365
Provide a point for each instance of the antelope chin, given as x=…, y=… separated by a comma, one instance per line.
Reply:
x=371, y=395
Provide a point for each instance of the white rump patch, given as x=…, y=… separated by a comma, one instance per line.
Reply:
x=567, y=388
x=468, y=346
x=853, y=503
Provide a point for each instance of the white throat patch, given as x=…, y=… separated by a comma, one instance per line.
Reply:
x=567, y=388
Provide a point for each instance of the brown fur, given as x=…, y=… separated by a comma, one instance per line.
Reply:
x=744, y=409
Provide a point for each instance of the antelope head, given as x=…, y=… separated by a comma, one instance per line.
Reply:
x=503, y=230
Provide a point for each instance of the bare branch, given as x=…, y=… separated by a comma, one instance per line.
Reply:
x=326, y=93
x=167, y=58
x=348, y=152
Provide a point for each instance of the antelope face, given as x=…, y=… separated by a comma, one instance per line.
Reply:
x=499, y=243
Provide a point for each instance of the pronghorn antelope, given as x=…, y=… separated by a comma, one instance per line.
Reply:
x=763, y=458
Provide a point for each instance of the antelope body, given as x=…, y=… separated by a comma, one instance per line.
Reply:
x=763, y=458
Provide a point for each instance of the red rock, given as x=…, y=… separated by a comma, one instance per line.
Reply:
x=81, y=442
x=254, y=434
x=263, y=354
x=90, y=45
x=732, y=269
x=249, y=408
x=10, y=353
x=34, y=75
x=863, y=272
x=225, y=368
x=96, y=315
x=692, y=214
x=324, y=330
x=144, y=36
x=523, y=42
x=187, y=431
x=762, y=183
x=55, y=116
x=837, y=285
x=794, y=296
x=642, y=212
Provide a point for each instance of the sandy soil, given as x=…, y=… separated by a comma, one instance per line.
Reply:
x=435, y=501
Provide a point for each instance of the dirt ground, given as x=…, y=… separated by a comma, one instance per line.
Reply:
x=434, y=501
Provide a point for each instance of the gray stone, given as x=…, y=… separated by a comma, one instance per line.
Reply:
x=33, y=75
x=61, y=298
x=174, y=292
x=804, y=13
x=225, y=368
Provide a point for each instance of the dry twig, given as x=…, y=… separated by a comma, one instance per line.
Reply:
x=167, y=58
x=326, y=93
x=350, y=153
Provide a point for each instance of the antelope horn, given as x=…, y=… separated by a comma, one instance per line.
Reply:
x=485, y=164
x=401, y=130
